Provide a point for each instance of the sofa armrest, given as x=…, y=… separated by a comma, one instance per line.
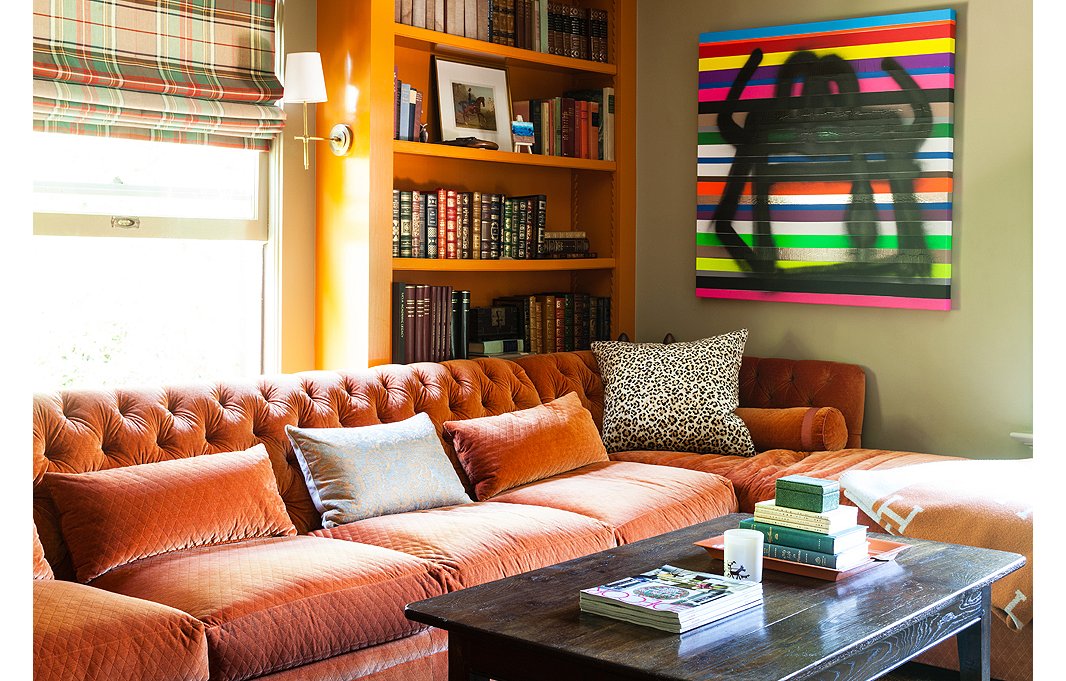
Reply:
x=803, y=429
x=773, y=382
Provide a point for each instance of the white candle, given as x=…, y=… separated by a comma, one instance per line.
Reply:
x=743, y=555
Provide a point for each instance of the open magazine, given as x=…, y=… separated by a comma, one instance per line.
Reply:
x=671, y=599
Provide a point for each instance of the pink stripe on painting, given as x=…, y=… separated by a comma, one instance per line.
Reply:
x=930, y=81
x=828, y=299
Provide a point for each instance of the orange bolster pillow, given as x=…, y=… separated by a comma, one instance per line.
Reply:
x=802, y=429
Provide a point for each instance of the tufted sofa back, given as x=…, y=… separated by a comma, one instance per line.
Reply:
x=83, y=430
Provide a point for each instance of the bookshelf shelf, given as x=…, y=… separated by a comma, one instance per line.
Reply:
x=365, y=50
x=492, y=156
x=445, y=43
x=448, y=265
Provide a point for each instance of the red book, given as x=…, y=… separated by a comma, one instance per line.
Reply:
x=583, y=130
x=442, y=223
x=567, y=125
x=450, y=215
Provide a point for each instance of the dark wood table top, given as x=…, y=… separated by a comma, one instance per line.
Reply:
x=804, y=624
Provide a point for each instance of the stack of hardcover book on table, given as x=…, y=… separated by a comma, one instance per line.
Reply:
x=671, y=599
x=805, y=523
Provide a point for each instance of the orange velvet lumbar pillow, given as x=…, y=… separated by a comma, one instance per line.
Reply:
x=502, y=452
x=113, y=517
x=41, y=568
x=803, y=429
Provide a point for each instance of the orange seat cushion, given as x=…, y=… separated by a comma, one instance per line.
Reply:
x=478, y=543
x=80, y=632
x=637, y=500
x=746, y=473
x=113, y=517
x=504, y=451
x=272, y=604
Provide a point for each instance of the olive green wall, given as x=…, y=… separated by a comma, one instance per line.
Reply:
x=947, y=382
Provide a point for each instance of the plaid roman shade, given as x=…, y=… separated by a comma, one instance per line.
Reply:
x=194, y=71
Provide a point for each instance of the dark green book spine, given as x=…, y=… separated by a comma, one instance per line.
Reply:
x=405, y=224
x=507, y=242
x=431, y=224
x=782, y=552
x=793, y=538
x=542, y=219
x=495, y=210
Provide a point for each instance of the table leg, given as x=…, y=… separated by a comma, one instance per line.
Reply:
x=975, y=644
x=458, y=666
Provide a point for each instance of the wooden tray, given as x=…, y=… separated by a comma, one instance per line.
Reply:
x=881, y=551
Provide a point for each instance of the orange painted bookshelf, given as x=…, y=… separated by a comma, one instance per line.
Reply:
x=361, y=46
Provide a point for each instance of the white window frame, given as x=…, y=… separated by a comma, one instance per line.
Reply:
x=263, y=227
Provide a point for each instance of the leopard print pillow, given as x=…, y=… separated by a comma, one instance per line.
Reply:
x=674, y=397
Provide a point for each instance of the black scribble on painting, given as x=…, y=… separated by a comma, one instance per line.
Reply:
x=821, y=122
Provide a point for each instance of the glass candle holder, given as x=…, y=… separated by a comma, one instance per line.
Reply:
x=743, y=555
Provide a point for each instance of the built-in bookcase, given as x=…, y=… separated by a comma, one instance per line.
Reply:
x=362, y=46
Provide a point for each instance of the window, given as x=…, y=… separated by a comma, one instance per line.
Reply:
x=150, y=262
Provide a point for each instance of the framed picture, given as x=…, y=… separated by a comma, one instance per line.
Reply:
x=473, y=101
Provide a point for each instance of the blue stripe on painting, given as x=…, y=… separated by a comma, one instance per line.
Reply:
x=825, y=26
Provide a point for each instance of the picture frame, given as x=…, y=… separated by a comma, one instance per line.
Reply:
x=473, y=101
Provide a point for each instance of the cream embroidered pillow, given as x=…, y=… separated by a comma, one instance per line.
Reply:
x=676, y=397
x=357, y=473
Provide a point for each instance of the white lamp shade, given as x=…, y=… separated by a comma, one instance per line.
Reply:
x=303, y=78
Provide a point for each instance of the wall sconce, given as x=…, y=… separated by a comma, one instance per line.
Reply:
x=305, y=84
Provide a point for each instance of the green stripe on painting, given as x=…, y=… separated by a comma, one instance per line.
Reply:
x=711, y=138
x=942, y=271
x=933, y=242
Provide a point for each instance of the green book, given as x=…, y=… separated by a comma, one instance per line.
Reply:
x=837, y=561
x=810, y=541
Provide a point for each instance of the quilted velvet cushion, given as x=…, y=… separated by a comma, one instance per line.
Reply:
x=41, y=568
x=357, y=473
x=677, y=396
x=278, y=603
x=80, y=632
x=477, y=543
x=637, y=500
x=508, y=450
x=112, y=517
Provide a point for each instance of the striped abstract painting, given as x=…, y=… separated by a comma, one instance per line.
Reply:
x=825, y=162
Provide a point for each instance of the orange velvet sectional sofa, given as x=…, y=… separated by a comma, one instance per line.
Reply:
x=316, y=603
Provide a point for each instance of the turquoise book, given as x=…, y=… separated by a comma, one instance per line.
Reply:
x=810, y=541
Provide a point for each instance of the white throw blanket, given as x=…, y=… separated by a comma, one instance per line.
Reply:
x=976, y=503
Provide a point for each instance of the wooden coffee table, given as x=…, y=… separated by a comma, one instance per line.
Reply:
x=528, y=627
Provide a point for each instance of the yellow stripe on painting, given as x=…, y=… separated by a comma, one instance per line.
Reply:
x=900, y=49
x=938, y=271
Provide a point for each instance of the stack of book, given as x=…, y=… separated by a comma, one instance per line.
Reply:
x=671, y=599
x=544, y=322
x=539, y=25
x=454, y=224
x=406, y=110
x=579, y=124
x=428, y=323
x=805, y=523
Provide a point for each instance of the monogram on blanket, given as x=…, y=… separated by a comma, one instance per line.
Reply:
x=976, y=503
